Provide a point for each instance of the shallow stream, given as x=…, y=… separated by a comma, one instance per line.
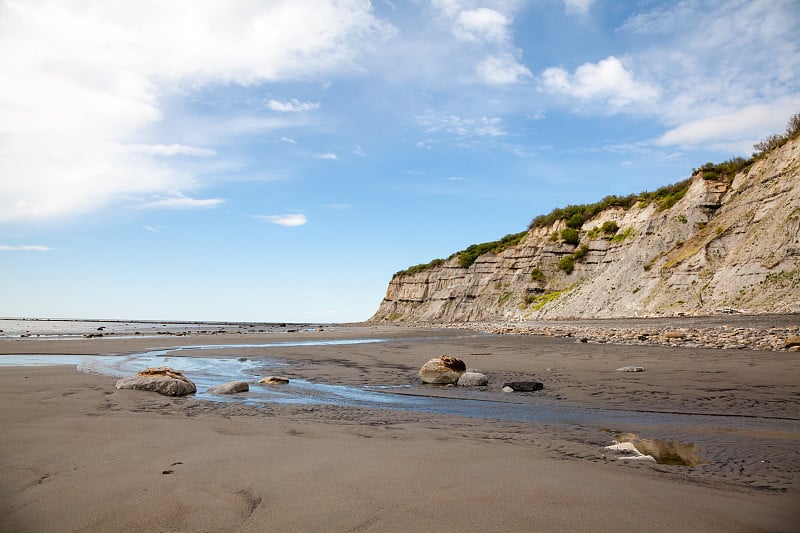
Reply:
x=207, y=372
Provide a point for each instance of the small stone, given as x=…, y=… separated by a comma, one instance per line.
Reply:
x=232, y=387
x=274, y=380
x=630, y=369
x=507, y=389
x=473, y=379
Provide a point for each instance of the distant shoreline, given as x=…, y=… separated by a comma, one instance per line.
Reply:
x=771, y=332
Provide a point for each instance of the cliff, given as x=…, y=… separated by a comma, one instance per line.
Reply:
x=730, y=243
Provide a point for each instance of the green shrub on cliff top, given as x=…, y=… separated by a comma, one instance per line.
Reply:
x=422, y=267
x=468, y=256
x=776, y=141
x=577, y=215
x=724, y=171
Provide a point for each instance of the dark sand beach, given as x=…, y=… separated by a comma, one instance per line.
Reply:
x=78, y=455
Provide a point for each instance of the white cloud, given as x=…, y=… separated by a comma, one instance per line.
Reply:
x=726, y=71
x=484, y=39
x=288, y=140
x=606, y=83
x=481, y=24
x=502, y=70
x=290, y=220
x=84, y=81
x=338, y=206
x=578, y=7
x=737, y=129
x=459, y=126
x=357, y=150
x=24, y=248
x=292, y=106
x=168, y=150
x=448, y=8
x=179, y=201
x=328, y=155
x=152, y=229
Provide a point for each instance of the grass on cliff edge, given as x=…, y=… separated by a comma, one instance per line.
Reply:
x=577, y=215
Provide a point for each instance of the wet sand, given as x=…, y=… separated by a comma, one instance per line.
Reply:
x=78, y=455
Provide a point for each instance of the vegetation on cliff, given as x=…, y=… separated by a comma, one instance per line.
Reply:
x=776, y=141
x=468, y=256
x=575, y=216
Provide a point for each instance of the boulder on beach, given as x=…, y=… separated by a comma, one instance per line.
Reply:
x=523, y=386
x=442, y=370
x=473, y=379
x=231, y=387
x=274, y=380
x=163, y=380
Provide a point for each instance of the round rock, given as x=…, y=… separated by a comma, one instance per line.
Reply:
x=163, y=380
x=442, y=370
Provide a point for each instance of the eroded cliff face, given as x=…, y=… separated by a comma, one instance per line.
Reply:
x=723, y=246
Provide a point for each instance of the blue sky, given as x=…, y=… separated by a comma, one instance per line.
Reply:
x=280, y=160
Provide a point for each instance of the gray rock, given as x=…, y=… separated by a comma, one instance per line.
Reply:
x=630, y=369
x=232, y=387
x=442, y=370
x=473, y=379
x=163, y=380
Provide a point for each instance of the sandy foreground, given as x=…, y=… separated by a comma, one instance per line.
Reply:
x=78, y=455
